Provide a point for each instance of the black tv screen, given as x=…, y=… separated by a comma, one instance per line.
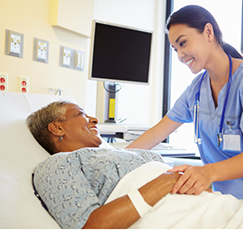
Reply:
x=119, y=53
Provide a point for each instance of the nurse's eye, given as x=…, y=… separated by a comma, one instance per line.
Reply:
x=182, y=43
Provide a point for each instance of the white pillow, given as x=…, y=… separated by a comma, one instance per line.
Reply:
x=19, y=155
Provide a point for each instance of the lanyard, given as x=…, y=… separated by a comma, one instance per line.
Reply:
x=197, y=98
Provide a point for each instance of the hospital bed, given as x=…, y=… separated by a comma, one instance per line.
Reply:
x=19, y=155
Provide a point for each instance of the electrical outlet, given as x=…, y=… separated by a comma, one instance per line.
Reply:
x=66, y=57
x=23, y=84
x=3, y=82
x=41, y=50
x=14, y=43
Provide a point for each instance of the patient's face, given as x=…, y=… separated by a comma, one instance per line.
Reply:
x=80, y=129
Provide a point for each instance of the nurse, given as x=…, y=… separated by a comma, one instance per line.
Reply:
x=213, y=101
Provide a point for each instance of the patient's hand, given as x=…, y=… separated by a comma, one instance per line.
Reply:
x=194, y=180
x=154, y=190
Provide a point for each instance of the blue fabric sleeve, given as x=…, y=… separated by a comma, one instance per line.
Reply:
x=241, y=101
x=66, y=192
x=181, y=109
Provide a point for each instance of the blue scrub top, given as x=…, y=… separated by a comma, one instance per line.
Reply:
x=209, y=122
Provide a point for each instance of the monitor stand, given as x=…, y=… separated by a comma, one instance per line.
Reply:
x=111, y=101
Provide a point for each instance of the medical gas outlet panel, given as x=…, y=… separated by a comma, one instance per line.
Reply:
x=14, y=46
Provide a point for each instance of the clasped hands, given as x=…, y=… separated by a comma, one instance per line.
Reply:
x=194, y=180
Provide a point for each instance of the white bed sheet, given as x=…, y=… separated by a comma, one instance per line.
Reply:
x=205, y=211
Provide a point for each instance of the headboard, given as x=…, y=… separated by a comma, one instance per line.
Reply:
x=19, y=155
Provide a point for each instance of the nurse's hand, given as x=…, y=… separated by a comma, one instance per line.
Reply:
x=194, y=180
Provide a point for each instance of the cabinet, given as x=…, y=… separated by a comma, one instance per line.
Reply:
x=73, y=15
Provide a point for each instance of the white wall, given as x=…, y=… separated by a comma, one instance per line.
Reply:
x=31, y=18
x=140, y=104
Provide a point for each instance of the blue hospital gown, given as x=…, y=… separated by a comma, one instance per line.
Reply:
x=73, y=185
x=209, y=121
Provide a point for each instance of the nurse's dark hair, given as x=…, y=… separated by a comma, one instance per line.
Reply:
x=38, y=123
x=197, y=17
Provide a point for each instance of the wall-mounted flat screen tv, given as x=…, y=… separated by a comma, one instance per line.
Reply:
x=119, y=53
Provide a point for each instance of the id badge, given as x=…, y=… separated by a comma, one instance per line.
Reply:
x=231, y=140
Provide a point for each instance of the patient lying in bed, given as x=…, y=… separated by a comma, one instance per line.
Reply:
x=86, y=186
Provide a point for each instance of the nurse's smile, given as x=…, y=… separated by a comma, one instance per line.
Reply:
x=189, y=62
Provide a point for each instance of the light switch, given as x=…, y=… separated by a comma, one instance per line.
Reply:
x=41, y=50
x=14, y=43
x=79, y=60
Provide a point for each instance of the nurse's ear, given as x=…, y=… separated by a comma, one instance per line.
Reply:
x=209, y=33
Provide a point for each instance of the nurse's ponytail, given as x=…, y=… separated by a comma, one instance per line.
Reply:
x=197, y=17
x=232, y=51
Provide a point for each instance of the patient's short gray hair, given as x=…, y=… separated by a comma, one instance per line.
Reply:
x=38, y=123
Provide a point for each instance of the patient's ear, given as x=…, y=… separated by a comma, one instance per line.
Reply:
x=56, y=128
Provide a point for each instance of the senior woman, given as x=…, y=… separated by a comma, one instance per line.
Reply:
x=82, y=185
x=75, y=184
